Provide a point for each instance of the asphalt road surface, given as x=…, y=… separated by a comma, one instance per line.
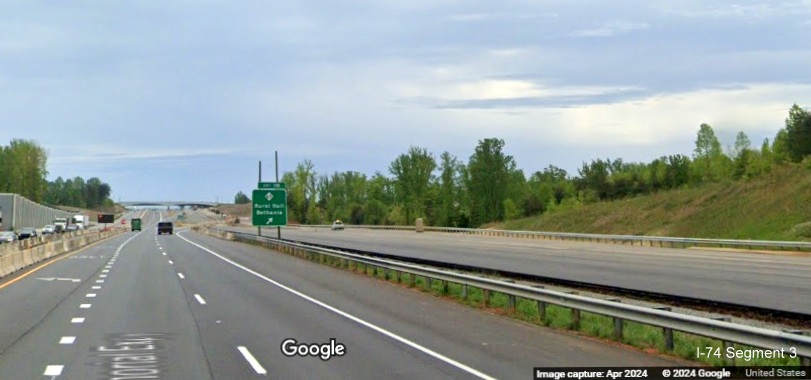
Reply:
x=781, y=282
x=187, y=306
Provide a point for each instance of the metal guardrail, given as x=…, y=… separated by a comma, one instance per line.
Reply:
x=669, y=321
x=660, y=241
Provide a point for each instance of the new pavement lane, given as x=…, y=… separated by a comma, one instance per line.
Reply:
x=780, y=282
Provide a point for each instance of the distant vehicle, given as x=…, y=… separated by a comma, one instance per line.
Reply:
x=49, y=229
x=27, y=232
x=60, y=224
x=136, y=224
x=81, y=221
x=72, y=228
x=338, y=225
x=165, y=228
x=8, y=237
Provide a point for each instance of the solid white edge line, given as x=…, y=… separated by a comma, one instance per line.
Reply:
x=53, y=370
x=351, y=317
x=200, y=299
x=252, y=360
x=67, y=340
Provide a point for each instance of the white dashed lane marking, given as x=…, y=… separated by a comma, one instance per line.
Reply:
x=90, y=295
x=252, y=361
x=53, y=370
x=96, y=287
x=181, y=275
x=200, y=299
x=77, y=320
x=85, y=306
x=67, y=340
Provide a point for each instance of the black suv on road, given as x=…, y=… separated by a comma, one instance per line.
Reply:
x=165, y=228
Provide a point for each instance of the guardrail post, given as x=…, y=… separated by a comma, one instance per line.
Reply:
x=511, y=298
x=444, y=287
x=575, y=315
x=668, y=333
x=542, y=312
x=464, y=291
x=804, y=361
x=727, y=344
x=486, y=297
x=618, y=323
x=575, y=319
x=428, y=283
x=411, y=280
x=398, y=274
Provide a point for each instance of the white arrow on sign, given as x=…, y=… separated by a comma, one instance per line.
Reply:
x=270, y=220
x=268, y=196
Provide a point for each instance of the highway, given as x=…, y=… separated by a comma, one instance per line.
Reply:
x=781, y=282
x=187, y=306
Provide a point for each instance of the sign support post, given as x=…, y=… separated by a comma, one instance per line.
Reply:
x=259, y=228
x=278, y=228
x=269, y=204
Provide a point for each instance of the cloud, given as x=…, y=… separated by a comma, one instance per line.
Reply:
x=514, y=94
x=467, y=17
x=611, y=29
x=752, y=12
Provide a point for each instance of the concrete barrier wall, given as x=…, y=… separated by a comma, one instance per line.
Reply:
x=18, y=212
x=14, y=257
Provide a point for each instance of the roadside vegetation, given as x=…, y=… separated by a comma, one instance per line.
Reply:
x=24, y=171
x=743, y=191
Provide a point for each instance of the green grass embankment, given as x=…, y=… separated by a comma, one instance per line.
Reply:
x=776, y=206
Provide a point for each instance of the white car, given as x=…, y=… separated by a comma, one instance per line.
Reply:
x=48, y=229
x=338, y=225
x=8, y=237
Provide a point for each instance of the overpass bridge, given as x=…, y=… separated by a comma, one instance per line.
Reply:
x=181, y=204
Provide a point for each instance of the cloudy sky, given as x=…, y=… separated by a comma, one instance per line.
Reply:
x=179, y=100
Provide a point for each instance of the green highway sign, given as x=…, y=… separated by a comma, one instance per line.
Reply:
x=270, y=185
x=269, y=207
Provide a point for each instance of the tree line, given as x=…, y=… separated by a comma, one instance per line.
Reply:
x=489, y=187
x=23, y=170
x=76, y=192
